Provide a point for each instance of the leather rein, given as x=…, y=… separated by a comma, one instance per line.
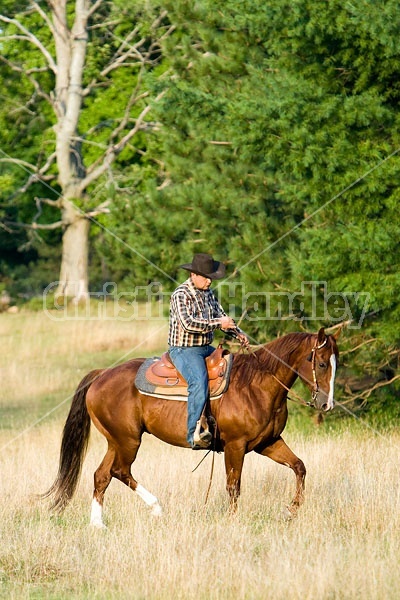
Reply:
x=315, y=392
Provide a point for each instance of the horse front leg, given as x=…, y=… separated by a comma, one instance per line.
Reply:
x=282, y=454
x=234, y=456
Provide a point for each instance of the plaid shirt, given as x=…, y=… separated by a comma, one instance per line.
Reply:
x=194, y=315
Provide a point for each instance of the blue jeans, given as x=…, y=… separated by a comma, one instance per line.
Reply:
x=190, y=362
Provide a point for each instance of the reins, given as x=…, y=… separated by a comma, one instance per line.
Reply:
x=296, y=398
x=212, y=467
x=204, y=457
x=315, y=391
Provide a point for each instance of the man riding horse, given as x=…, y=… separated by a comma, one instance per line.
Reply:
x=195, y=314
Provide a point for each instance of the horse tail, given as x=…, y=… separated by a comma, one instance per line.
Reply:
x=74, y=444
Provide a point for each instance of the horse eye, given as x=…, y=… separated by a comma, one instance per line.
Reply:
x=322, y=365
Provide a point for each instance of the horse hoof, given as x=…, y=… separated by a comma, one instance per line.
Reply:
x=289, y=513
x=98, y=525
x=156, y=510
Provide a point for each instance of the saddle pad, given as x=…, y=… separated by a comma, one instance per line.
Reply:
x=175, y=392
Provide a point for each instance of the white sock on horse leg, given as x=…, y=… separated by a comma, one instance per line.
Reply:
x=96, y=515
x=149, y=499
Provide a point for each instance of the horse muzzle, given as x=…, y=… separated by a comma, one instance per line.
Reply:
x=322, y=401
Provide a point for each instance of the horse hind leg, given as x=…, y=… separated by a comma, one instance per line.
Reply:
x=102, y=478
x=121, y=469
x=117, y=464
x=282, y=454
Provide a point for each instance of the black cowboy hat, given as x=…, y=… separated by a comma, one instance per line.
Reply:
x=205, y=265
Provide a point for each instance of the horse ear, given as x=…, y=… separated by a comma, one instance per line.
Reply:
x=321, y=336
x=337, y=333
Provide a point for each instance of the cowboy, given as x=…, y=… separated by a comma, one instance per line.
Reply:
x=195, y=313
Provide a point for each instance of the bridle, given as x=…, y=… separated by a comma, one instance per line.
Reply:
x=315, y=391
x=312, y=357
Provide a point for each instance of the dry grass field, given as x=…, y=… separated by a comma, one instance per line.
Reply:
x=344, y=544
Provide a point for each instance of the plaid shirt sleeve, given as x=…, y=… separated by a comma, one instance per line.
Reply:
x=194, y=315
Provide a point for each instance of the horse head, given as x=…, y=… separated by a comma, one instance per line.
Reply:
x=318, y=369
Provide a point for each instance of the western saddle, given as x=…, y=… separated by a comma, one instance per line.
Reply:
x=162, y=373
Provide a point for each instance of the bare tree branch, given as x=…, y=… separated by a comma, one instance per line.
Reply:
x=126, y=118
x=50, y=160
x=44, y=16
x=100, y=210
x=126, y=51
x=49, y=226
x=158, y=19
x=28, y=74
x=36, y=70
x=370, y=341
x=6, y=229
x=36, y=226
x=105, y=24
x=340, y=326
x=119, y=60
x=367, y=393
x=29, y=36
x=55, y=203
x=94, y=8
x=37, y=175
x=18, y=161
x=109, y=156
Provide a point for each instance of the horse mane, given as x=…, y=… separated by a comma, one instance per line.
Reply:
x=266, y=359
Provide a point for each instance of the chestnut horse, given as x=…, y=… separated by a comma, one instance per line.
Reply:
x=251, y=415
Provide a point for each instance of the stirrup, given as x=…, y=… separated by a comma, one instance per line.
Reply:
x=202, y=437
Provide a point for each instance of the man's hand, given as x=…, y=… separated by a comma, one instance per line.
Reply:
x=242, y=337
x=227, y=323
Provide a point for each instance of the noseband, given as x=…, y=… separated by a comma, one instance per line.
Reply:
x=315, y=392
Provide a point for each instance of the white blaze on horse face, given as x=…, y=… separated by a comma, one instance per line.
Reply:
x=96, y=515
x=150, y=500
x=331, y=402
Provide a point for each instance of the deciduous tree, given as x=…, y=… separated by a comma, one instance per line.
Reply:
x=83, y=65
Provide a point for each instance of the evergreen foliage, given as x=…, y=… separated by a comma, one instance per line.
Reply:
x=280, y=140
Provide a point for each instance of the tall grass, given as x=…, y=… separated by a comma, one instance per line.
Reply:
x=46, y=355
x=344, y=544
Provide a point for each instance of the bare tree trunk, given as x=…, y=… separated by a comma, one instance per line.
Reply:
x=74, y=263
x=71, y=52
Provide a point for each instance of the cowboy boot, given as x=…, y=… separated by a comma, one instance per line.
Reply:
x=203, y=438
